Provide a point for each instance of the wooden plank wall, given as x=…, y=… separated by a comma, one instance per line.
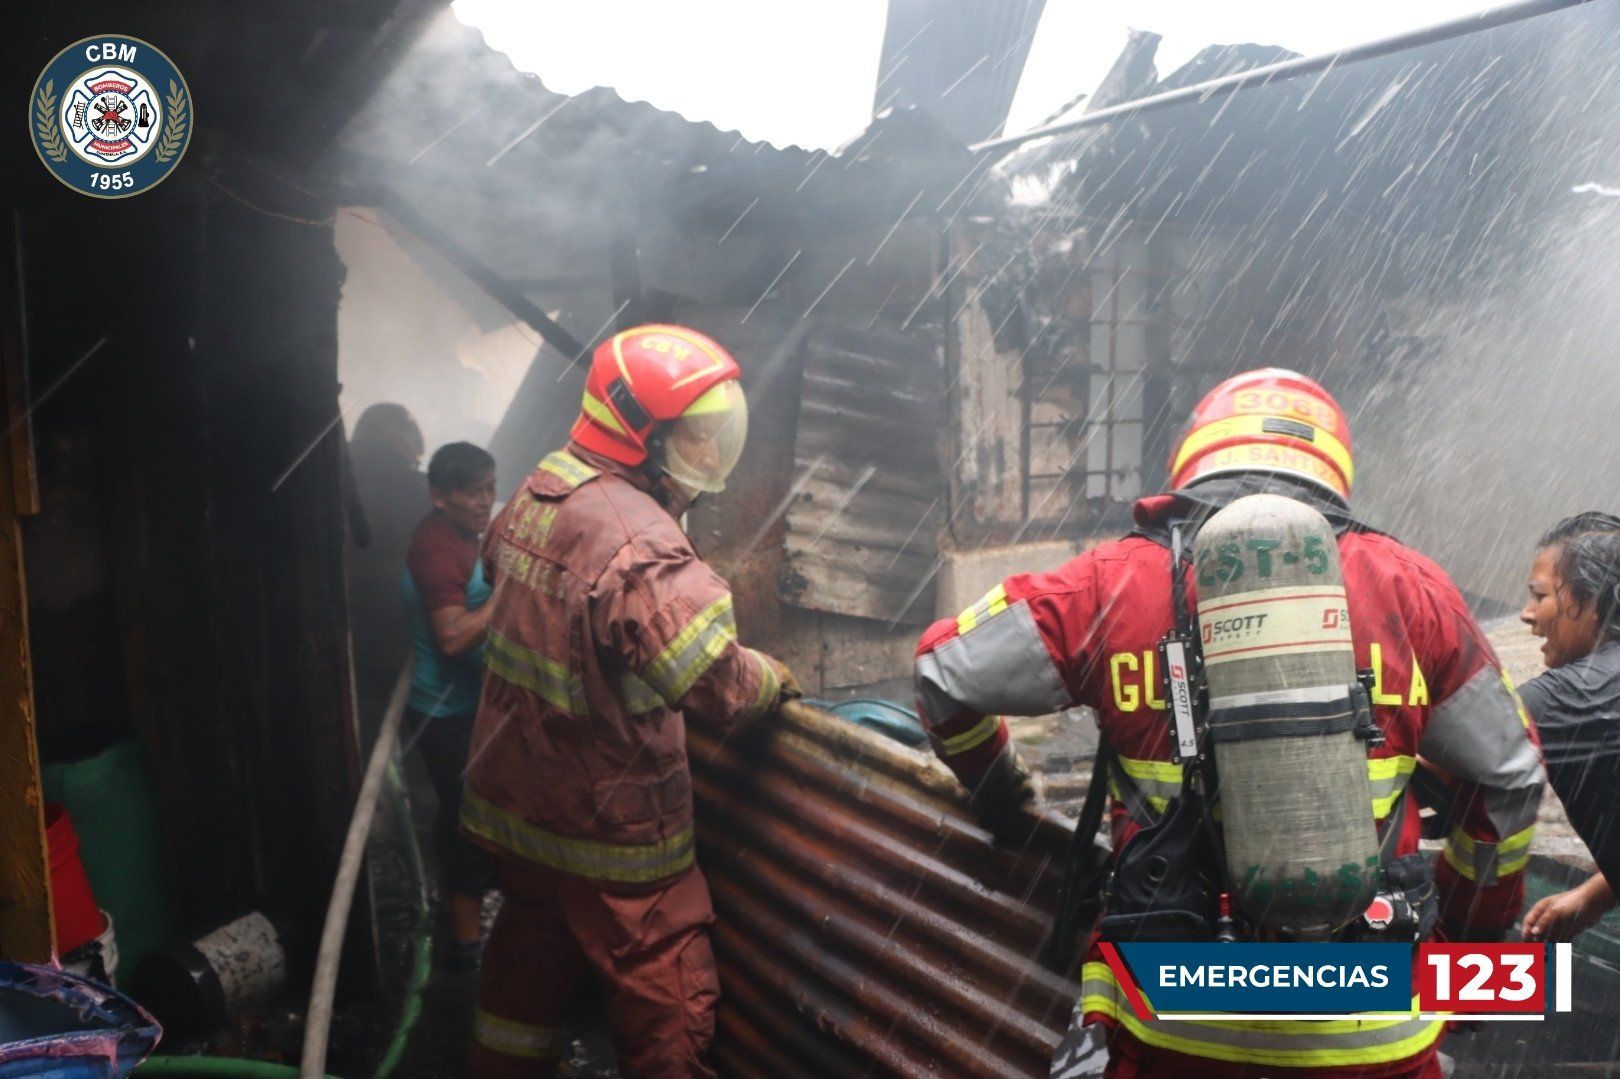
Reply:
x=26, y=929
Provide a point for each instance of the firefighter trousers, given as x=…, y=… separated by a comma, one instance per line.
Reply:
x=647, y=951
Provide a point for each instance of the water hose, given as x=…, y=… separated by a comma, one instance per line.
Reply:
x=411, y=1011
x=318, y=1021
x=422, y=959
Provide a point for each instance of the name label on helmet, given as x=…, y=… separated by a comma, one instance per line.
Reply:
x=1273, y=425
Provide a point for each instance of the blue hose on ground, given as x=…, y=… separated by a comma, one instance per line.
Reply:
x=887, y=718
x=216, y=1068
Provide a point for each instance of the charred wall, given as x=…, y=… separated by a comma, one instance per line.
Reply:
x=187, y=565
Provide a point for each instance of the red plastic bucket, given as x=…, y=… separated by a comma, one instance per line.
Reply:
x=78, y=918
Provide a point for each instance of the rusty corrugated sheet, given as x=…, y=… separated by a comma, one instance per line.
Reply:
x=863, y=535
x=866, y=926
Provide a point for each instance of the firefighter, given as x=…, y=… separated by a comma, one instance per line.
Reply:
x=1086, y=634
x=606, y=628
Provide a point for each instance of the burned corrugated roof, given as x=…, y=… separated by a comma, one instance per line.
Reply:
x=1453, y=138
x=536, y=183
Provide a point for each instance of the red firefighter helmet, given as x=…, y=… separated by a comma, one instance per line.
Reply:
x=1269, y=420
x=666, y=391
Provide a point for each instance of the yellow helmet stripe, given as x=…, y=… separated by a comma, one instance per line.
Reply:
x=603, y=415
x=715, y=399
x=1251, y=428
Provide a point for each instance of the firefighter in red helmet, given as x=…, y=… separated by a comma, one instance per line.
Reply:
x=1087, y=632
x=606, y=628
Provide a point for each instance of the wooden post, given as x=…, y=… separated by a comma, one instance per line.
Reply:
x=26, y=929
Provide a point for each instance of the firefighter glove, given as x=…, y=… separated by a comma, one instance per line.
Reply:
x=1004, y=797
x=790, y=690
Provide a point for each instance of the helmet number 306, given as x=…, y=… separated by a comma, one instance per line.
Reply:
x=1276, y=403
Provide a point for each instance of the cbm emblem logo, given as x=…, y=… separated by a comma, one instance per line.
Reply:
x=111, y=116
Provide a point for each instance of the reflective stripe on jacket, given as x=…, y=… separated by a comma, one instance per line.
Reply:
x=607, y=626
x=1318, y=1044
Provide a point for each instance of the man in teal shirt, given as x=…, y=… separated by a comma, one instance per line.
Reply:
x=445, y=595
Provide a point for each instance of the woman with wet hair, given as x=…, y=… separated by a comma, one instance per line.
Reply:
x=1574, y=607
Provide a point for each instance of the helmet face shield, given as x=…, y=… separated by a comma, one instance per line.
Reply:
x=704, y=444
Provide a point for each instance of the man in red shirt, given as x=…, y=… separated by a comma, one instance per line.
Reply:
x=1087, y=634
x=446, y=598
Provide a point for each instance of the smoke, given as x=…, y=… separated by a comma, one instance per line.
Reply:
x=1503, y=419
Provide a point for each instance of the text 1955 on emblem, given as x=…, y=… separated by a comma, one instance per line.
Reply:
x=111, y=116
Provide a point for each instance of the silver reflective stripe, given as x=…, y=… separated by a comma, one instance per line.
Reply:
x=1311, y=1043
x=638, y=696
x=511, y=1038
x=1485, y=862
x=1477, y=734
x=1002, y=666
x=566, y=467
x=553, y=682
x=770, y=688
x=1307, y=695
x=693, y=650
x=1387, y=778
x=1145, y=787
x=626, y=863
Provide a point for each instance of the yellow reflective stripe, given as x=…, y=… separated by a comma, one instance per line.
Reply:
x=1383, y=768
x=511, y=1038
x=717, y=398
x=1460, y=851
x=623, y=863
x=599, y=412
x=993, y=603
x=566, y=467
x=1513, y=853
x=1155, y=802
x=1153, y=771
x=975, y=736
x=693, y=650
x=1466, y=854
x=1518, y=704
x=1309, y=1043
x=1156, y=782
x=637, y=696
x=1388, y=777
x=1252, y=426
x=770, y=688
x=551, y=681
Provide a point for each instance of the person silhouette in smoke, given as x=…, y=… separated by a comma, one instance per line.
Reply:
x=385, y=451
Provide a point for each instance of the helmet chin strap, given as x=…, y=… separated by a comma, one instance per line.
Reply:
x=672, y=494
x=675, y=496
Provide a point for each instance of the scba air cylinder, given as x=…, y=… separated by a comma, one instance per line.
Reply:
x=1295, y=805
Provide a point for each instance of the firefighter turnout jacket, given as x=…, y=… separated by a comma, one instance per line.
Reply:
x=606, y=627
x=1085, y=634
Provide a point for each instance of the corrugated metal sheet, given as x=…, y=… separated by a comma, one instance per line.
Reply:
x=863, y=535
x=866, y=926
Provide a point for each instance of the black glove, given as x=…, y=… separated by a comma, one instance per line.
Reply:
x=1003, y=797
